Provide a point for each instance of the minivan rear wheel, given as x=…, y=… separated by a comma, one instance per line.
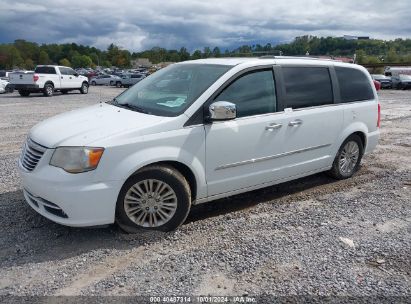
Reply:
x=348, y=158
x=155, y=198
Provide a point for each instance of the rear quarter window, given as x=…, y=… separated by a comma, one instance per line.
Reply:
x=354, y=85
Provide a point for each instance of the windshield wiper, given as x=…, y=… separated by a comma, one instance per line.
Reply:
x=132, y=107
x=113, y=101
x=135, y=108
x=128, y=106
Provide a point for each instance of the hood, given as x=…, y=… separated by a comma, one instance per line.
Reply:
x=84, y=126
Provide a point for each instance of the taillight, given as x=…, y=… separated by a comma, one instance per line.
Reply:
x=379, y=116
x=377, y=85
x=35, y=77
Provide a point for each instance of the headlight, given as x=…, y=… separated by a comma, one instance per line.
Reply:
x=76, y=159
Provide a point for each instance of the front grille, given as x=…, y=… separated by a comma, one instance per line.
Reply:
x=48, y=206
x=31, y=154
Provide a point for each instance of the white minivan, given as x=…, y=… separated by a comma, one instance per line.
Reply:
x=197, y=131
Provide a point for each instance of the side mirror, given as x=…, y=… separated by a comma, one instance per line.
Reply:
x=222, y=110
x=76, y=74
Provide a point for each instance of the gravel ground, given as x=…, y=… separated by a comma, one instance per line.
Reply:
x=314, y=236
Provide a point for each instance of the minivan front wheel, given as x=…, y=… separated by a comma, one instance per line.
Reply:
x=155, y=198
x=348, y=158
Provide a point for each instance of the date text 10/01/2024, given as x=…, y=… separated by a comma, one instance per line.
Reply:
x=203, y=299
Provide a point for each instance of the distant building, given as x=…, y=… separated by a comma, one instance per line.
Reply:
x=141, y=63
x=349, y=37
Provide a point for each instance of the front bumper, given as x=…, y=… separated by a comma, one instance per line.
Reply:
x=68, y=199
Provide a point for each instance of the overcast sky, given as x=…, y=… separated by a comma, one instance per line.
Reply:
x=138, y=25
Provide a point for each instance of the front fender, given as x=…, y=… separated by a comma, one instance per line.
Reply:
x=185, y=146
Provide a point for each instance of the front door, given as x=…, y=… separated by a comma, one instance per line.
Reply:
x=74, y=81
x=243, y=152
x=64, y=76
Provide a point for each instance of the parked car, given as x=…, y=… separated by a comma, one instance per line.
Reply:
x=105, y=80
x=5, y=74
x=385, y=81
x=129, y=79
x=218, y=127
x=48, y=79
x=5, y=87
x=401, y=82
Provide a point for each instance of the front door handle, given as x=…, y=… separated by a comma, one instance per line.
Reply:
x=273, y=126
x=296, y=122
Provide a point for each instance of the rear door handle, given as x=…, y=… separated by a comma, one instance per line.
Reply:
x=296, y=122
x=273, y=126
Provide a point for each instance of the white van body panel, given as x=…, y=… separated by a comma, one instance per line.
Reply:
x=225, y=158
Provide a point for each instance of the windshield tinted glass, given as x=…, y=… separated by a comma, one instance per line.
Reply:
x=170, y=91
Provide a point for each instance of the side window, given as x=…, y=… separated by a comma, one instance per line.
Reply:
x=71, y=72
x=63, y=71
x=307, y=87
x=252, y=93
x=354, y=85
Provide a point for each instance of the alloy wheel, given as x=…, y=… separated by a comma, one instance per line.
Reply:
x=349, y=157
x=150, y=203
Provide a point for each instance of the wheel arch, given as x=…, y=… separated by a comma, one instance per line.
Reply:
x=362, y=136
x=360, y=129
x=49, y=82
x=194, y=174
x=183, y=169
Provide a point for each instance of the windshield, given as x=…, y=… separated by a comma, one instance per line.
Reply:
x=170, y=91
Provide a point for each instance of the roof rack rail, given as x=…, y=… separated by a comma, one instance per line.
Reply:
x=295, y=57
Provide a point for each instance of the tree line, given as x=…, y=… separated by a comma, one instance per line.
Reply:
x=25, y=54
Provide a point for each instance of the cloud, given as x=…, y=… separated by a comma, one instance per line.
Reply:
x=138, y=25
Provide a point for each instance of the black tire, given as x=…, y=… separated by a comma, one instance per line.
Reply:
x=84, y=88
x=175, y=180
x=93, y=83
x=336, y=170
x=24, y=93
x=9, y=88
x=64, y=91
x=118, y=84
x=48, y=90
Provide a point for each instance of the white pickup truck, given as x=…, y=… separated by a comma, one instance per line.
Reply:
x=48, y=79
